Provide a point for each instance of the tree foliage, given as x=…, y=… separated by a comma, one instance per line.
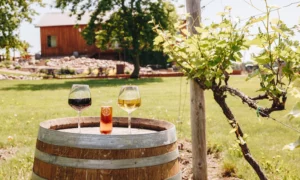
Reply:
x=13, y=13
x=207, y=57
x=123, y=22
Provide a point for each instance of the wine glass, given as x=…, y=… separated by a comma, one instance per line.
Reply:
x=129, y=100
x=79, y=99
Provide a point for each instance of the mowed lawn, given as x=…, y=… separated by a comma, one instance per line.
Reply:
x=24, y=104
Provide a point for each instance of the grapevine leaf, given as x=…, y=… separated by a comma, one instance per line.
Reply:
x=295, y=112
x=229, y=69
x=295, y=92
x=276, y=29
x=275, y=20
x=199, y=29
x=263, y=59
x=237, y=56
x=228, y=8
x=222, y=13
x=293, y=145
x=256, y=41
x=255, y=20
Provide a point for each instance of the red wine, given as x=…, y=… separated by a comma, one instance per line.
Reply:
x=80, y=104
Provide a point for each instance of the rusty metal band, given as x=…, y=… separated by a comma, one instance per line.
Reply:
x=92, y=141
x=107, y=164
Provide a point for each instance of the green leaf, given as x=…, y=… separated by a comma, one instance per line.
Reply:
x=295, y=112
x=208, y=83
x=263, y=59
x=229, y=69
x=256, y=41
x=222, y=13
x=151, y=21
x=293, y=145
x=214, y=62
x=228, y=8
x=275, y=20
x=276, y=29
x=199, y=29
x=255, y=20
x=158, y=40
x=237, y=56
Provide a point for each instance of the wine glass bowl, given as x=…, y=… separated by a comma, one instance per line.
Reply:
x=79, y=99
x=129, y=100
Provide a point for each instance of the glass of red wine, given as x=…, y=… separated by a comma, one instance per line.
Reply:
x=79, y=99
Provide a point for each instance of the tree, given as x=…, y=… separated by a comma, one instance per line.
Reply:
x=124, y=22
x=12, y=14
x=207, y=58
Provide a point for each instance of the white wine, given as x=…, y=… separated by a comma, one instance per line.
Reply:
x=129, y=100
x=129, y=105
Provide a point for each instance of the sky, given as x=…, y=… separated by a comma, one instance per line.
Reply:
x=209, y=9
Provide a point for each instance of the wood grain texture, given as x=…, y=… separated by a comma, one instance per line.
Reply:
x=198, y=124
x=48, y=169
x=84, y=153
x=198, y=127
x=159, y=172
x=71, y=122
x=68, y=40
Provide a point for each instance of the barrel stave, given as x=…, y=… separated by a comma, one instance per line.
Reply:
x=66, y=155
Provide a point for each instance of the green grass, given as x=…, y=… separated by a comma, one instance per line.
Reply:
x=24, y=104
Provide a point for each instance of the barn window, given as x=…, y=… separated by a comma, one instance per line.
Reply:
x=51, y=41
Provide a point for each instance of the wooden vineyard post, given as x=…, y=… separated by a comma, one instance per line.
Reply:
x=198, y=122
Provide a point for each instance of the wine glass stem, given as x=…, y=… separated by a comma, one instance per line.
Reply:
x=129, y=122
x=79, y=116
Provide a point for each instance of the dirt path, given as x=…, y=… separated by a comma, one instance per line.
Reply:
x=214, y=164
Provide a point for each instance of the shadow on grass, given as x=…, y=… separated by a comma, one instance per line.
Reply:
x=66, y=84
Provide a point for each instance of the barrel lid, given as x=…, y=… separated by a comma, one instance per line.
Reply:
x=55, y=132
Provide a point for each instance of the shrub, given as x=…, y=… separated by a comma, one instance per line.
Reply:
x=66, y=71
x=229, y=169
x=7, y=63
x=43, y=71
x=215, y=149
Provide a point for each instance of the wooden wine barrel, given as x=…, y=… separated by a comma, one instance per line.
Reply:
x=149, y=153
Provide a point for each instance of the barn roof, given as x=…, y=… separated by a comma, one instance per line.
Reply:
x=64, y=18
x=61, y=19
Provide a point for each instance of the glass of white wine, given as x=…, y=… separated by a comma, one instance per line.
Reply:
x=129, y=100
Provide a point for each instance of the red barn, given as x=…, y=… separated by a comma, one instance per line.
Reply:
x=59, y=37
